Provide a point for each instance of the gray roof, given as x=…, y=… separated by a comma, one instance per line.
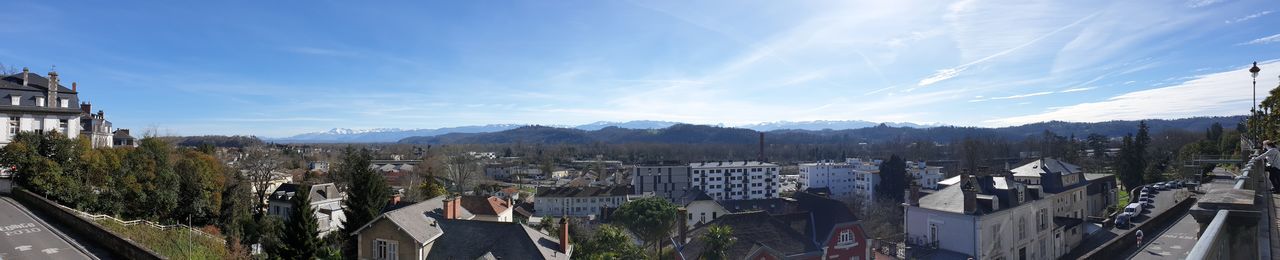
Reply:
x=468, y=239
x=731, y=164
x=419, y=220
x=36, y=87
x=1044, y=166
x=949, y=199
x=753, y=229
x=319, y=192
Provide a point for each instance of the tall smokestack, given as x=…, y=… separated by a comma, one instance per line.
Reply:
x=760, y=156
x=564, y=234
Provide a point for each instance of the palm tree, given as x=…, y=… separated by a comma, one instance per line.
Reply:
x=718, y=238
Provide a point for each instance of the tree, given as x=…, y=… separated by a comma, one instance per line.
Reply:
x=202, y=183
x=153, y=184
x=236, y=213
x=300, y=239
x=718, y=239
x=893, y=179
x=367, y=193
x=258, y=164
x=651, y=219
x=608, y=242
x=462, y=170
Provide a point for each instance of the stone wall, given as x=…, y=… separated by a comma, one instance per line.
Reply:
x=1119, y=245
x=118, y=245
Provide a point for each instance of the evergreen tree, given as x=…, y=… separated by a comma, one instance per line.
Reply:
x=300, y=239
x=893, y=179
x=651, y=219
x=367, y=193
x=719, y=239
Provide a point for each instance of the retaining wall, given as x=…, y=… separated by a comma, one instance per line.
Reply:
x=118, y=245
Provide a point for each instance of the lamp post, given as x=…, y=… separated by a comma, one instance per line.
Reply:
x=1254, y=73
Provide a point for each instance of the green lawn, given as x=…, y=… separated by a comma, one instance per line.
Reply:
x=172, y=243
x=1124, y=200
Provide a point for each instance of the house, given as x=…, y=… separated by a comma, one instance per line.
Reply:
x=1034, y=211
x=440, y=228
x=736, y=180
x=326, y=202
x=38, y=104
x=926, y=176
x=1102, y=194
x=95, y=127
x=122, y=138
x=509, y=193
x=805, y=226
x=757, y=236
x=488, y=208
x=582, y=201
x=701, y=209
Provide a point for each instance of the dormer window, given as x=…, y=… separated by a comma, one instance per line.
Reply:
x=62, y=102
x=40, y=101
x=14, y=100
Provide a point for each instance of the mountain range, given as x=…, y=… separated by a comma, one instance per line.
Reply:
x=387, y=135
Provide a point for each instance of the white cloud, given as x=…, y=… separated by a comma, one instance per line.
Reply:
x=1077, y=90
x=1042, y=93
x=1218, y=94
x=1263, y=40
x=1202, y=3
x=1249, y=17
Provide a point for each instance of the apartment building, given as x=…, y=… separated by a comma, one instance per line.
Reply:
x=666, y=180
x=1034, y=211
x=736, y=180
x=926, y=176
x=582, y=201
x=38, y=104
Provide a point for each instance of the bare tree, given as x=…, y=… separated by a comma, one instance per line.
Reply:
x=6, y=70
x=258, y=164
x=463, y=170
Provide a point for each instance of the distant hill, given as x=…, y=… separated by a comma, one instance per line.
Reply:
x=703, y=134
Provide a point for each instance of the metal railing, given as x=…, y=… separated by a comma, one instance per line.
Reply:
x=96, y=217
x=1214, y=241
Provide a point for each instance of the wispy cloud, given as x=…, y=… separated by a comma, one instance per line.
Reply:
x=1202, y=3
x=1263, y=40
x=1218, y=94
x=321, y=51
x=1249, y=17
x=1077, y=90
x=1042, y=93
x=945, y=74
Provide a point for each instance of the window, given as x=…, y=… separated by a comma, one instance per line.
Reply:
x=62, y=126
x=933, y=232
x=15, y=100
x=384, y=250
x=63, y=102
x=40, y=101
x=846, y=237
x=14, y=125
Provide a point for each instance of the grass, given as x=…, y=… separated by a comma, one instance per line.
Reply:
x=1124, y=200
x=172, y=243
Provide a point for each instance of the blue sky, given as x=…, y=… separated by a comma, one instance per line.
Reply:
x=276, y=68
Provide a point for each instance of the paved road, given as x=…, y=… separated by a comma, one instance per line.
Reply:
x=1174, y=243
x=23, y=236
x=1164, y=201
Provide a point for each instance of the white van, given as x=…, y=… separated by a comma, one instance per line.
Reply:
x=1133, y=209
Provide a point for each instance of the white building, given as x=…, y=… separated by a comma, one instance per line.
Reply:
x=926, y=176
x=326, y=202
x=736, y=180
x=837, y=177
x=1034, y=212
x=38, y=104
x=582, y=201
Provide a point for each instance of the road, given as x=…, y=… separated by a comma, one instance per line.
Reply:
x=23, y=236
x=1174, y=243
x=1164, y=201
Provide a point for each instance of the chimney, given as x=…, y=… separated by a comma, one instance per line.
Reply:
x=73, y=86
x=86, y=108
x=969, y=187
x=913, y=193
x=52, y=97
x=450, y=208
x=760, y=156
x=24, y=76
x=395, y=199
x=564, y=234
x=683, y=221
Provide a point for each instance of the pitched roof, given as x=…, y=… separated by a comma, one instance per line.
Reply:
x=35, y=82
x=752, y=229
x=467, y=239
x=825, y=214
x=319, y=192
x=480, y=205
x=773, y=206
x=583, y=192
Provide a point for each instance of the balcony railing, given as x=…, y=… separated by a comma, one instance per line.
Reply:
x=1236, y=233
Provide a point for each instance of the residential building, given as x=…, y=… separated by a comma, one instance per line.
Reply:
x=488, y=208
x=805, y=226
x=926, y=176
x=326, y=203
x=38, y=104
x=866, y=177
x=736, y=180
x=122, y=138
x=701, y=209
x=582, y=201
x=440, y=228
x=1035, y=211
x=836, y=177
x=1102, y=194
x=95, y=127
x=666, y=180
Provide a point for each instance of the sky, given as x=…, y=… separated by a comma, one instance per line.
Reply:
x=279, y=68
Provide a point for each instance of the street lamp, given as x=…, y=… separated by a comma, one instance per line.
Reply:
x=1254, y=72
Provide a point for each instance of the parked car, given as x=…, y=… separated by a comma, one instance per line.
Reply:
x=1133, y=209
x=1124, y=220
x=1148, y=202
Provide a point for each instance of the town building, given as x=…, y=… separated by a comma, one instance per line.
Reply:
x=666, y=180
x=736, y=180
x=38, y=104
x=122, y=138
x=835, y=177
x=1034, y=211
x=326, y=202
x=582, y=201
x=488, y=208
x=924, y=175
x=95, y=127
x=440, y=228
x=1102, y=194
x=805, y=226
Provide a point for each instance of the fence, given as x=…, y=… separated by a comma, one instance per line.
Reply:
x=94, y=217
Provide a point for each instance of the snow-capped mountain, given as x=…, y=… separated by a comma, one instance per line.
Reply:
x=639, y=124
x=825, y=124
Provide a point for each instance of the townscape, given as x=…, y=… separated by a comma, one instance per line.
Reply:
x=87, y=172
